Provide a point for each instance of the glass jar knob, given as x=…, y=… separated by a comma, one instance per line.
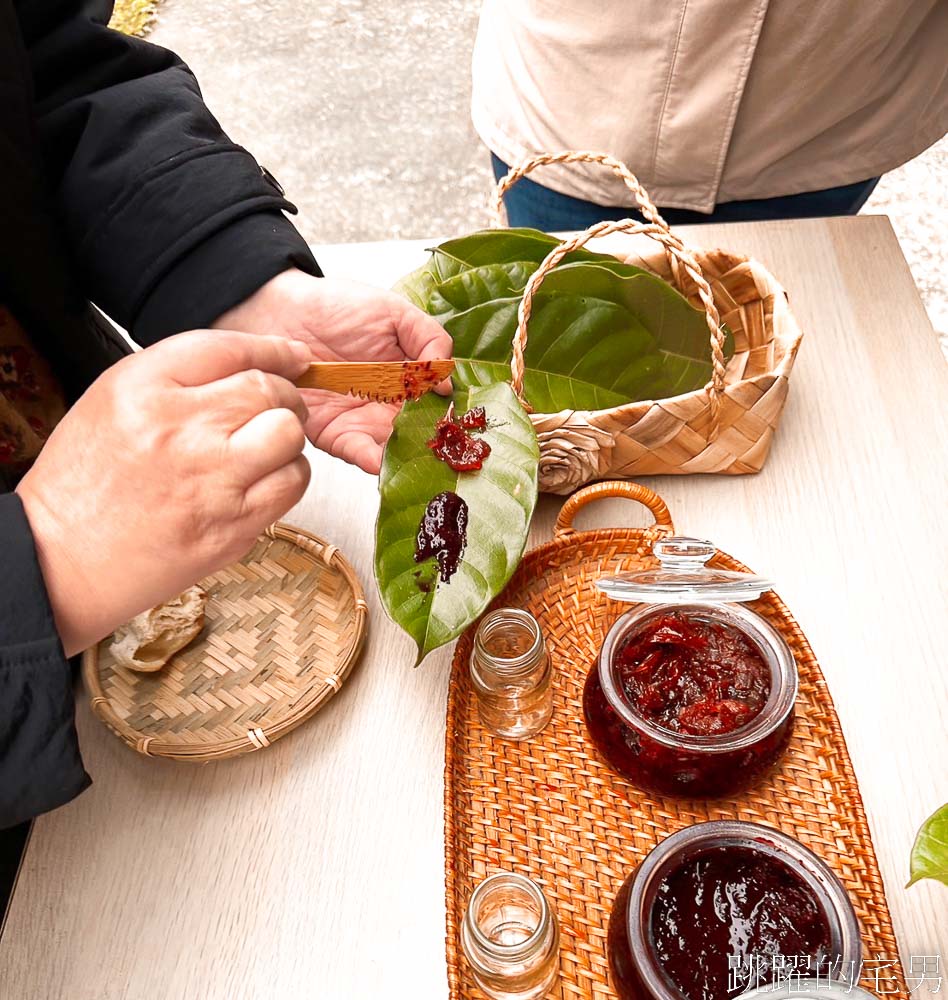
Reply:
x=680, y=553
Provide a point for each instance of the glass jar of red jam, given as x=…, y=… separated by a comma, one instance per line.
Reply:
x=720, y=908
x=693, y=693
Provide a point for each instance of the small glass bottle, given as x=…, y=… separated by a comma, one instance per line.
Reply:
x=512, y=674
x=511, y=938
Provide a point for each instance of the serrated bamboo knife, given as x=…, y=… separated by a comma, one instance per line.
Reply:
x=382, y=381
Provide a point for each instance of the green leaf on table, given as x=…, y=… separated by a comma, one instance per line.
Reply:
x=930, y=850
x=500, y=498
x=602, y=332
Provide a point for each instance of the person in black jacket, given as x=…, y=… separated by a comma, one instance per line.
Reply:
x=117, y=186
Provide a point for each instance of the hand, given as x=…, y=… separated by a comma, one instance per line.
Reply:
x=343, y=321
x=167, y=469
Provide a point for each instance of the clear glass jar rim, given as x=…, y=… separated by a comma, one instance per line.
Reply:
x=510, y=665
x=521, y=948
x=756, y=836
x=809, y=986
x=777, y=655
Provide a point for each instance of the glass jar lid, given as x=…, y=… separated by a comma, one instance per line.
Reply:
x=683, y=577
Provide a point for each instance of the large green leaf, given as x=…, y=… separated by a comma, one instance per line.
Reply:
x=500, y=499
x=418, y=285
x=489, y=246
x=596, y=339
x=502, y=246
x=930, y=850
x=602, y=332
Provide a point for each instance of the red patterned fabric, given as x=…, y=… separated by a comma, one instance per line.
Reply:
x=31, y=399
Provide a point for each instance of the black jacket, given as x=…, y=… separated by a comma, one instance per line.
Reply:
x=117, y=186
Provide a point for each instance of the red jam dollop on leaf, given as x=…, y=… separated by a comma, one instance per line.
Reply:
x=692, y=676
x=453, y=443
x=442, y=534
x=474, y=420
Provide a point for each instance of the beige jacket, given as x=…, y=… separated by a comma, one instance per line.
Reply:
x=712, y=100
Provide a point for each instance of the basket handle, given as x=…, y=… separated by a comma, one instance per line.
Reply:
x=602, y=491
x=679, y=256
x=524, y=167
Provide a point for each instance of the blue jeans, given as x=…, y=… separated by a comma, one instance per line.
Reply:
x=532, y=205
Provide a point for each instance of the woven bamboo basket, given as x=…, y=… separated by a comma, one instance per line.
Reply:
x=284, y=627
x=727, y=426
x=547, y=808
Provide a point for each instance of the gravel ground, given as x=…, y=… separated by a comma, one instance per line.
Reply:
x=360, y=108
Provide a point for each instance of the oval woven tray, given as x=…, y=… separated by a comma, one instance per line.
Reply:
x=549, y=809
x=284, y=627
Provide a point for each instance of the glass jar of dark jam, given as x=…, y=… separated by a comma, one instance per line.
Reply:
x=693, y=693
x=721, y=908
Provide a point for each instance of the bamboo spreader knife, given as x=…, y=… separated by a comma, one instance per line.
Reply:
x=382, y=381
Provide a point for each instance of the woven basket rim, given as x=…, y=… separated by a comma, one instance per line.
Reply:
x=321, y=551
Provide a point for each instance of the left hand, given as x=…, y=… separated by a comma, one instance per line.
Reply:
x=343, y=321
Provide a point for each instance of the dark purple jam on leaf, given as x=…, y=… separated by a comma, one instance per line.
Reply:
x=442, y=533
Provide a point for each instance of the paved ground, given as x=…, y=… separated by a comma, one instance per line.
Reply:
x=360, y=108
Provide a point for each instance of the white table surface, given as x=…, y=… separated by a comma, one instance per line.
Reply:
x=315, y=868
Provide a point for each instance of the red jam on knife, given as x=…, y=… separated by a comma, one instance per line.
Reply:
x=455, y=446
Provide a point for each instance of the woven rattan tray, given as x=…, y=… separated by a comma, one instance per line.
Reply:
x=284, y=627
x=547, y=807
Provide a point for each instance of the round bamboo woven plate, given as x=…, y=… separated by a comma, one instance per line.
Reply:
x=547, y=807
x=284, y=627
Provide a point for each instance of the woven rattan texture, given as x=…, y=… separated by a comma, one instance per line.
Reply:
x=671, y=435
x=724, y=429
x=284, y=627
x=548, y=809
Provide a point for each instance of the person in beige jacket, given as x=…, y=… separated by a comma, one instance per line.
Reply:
x=724, y=109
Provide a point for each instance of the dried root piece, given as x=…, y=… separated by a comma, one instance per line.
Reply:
x=150, y=639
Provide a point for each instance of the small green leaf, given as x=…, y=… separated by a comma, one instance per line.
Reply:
x=930, y=850
x=500, y=499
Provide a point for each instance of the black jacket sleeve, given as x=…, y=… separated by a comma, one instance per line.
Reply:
x=40, y=767
x=169, y=223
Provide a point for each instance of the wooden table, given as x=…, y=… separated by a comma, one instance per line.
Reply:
x=315, y=869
